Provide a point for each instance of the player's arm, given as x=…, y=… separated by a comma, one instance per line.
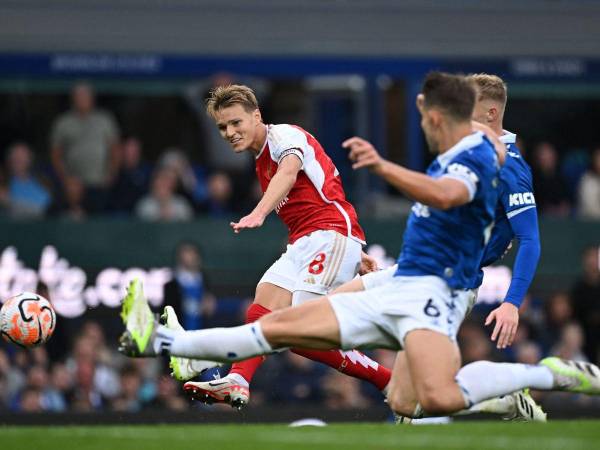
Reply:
x=368, y=264
x=441, y=193
x=279, y=186
x=525, y=228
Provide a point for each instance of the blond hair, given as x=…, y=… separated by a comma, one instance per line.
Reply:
x=489, y=87
x=226, y=96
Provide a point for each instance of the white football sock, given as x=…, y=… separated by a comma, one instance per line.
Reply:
x=238, y=379
x=482, y=380
x=496, y=405
x=216, y=344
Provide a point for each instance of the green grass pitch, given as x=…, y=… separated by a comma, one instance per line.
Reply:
x=571, y=435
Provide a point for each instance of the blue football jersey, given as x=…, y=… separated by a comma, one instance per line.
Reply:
x=449, y=243
x=516, y=196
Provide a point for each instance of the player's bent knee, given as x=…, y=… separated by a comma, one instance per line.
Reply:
x=401, y=405
x=435, y=402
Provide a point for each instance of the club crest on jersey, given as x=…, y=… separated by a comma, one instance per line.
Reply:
x=521, y=198
x=420, y=210
x=462, y=171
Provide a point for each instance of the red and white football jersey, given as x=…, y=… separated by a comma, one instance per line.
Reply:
x=317, y=201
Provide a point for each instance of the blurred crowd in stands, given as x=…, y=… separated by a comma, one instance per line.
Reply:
x=92, y=169
x=80, y=369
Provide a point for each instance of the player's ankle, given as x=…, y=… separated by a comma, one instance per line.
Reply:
x=238, y=378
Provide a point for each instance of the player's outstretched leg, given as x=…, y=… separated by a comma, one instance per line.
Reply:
x=483, y=380
x=183, y=369
x=144, y=336
x=352, y=363
x=234, y=388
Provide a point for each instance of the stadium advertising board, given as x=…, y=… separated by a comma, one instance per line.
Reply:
x=71, y=289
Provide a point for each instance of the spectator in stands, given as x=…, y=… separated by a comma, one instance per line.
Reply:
x=61, y=388
x=30, y=401
x=586, y=300
x=559, y=312
x=570, y=345
x=191, y=182
x=589, y=189
x=133, y=180
x=187, y=292
x=528, y=352
x=220, y=192
x=168, y=396
x=85, y=144
x=302, y=382
x=28, y=196
x=92, y=331
x=474, y=342
x=38, y=379
x=95, y=381
x=4, y=383
x=342, y=392
x=15, y=374
x=163, y=204
x=72, y=205
x=549, y=187
x=128, y=400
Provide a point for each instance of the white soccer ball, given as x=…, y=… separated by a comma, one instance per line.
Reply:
x=27, y=320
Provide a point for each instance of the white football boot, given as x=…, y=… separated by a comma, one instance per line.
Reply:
x=231, y=389
x=518, y=406
x=573, y=376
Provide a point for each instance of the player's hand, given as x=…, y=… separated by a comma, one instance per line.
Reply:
x=507, y=321
x=367, y=264
x=252, y=220
x=362, y=153
x=493, y=137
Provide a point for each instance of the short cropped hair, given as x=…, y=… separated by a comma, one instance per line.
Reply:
x=226, y=96
x=454, y=94
x=489, y=87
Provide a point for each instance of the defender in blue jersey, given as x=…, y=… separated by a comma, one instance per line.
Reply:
x=516, y=214
x=421, y=307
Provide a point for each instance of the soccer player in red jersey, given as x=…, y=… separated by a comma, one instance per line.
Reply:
x=302, y=185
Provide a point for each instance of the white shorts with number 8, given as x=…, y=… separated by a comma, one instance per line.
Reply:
x=317, y=263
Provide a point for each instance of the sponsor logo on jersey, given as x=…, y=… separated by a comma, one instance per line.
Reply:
x=513, y=154
x=282, y=204
x=462, y=171
x=521, y=198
